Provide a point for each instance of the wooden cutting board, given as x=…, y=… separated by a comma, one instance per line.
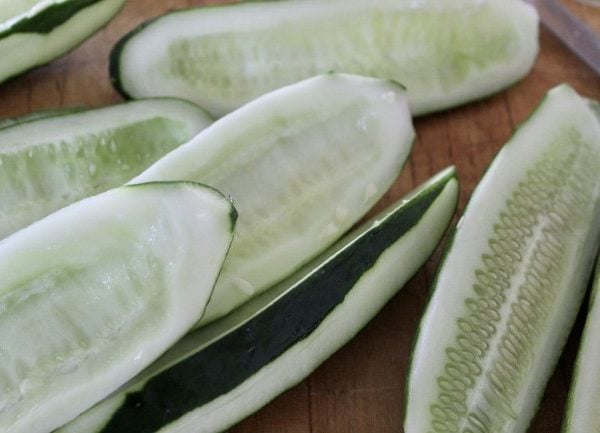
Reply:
x=361, y=388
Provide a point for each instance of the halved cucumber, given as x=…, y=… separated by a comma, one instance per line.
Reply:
x=510, y=286
x=33, y=33
x=444, y=52
x=223, y=372
x=93, y=293
x=48, y=163
x=302, y=164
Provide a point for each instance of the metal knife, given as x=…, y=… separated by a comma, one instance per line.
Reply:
x=580, y=38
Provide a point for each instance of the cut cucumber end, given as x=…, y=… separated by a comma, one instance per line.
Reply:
x=303, y=164
x=93, y=293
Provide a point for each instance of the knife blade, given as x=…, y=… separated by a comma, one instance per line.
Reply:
x=580, y=38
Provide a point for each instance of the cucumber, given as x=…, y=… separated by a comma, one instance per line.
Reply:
x=595, y=106
x=33, y=33
x=95, y=292
x=12, y=8
x=303, y=164
x=36, y=115
x=445, y=52
x=583, y=414
x=225, y=371
x=50, y=162
x=509, y=288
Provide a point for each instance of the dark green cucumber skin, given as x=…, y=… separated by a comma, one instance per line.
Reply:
x=48, y=19
x=222, y=366
x=114, y=59
x=233, y=214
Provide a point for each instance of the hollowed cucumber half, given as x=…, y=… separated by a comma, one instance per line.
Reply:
x=34, y=32
x=513, y=278
x=444, y=52
x=303, y=164
x=223, y=372
x=53, y=159
x=95, y=292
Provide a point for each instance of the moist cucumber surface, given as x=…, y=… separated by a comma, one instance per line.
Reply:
x=302, y=164
x=33, y=33
x=509, y=288
x=93, y=293
x=50, y=162
x=230, y=368
x=445, y=53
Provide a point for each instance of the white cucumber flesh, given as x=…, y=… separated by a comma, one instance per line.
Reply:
x=33, y=33
x=55, y=160
x=92, y=294
x=223, y=372
x=512, y=281
x=444, y=52
x=302, y=164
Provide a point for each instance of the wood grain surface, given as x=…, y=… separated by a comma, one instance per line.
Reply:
x=361, y=388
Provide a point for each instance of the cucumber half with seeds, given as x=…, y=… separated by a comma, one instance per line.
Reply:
x=92, y=294
x=225, y=371
x=50, y=162
x=444, y=52
x=33, y=33
x=512, y=281
x=303, y=164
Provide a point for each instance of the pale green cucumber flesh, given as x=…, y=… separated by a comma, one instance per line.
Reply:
x=50, y=162
x=31, y=37
x=225, y=371
x=595, y=106
x=92, y=294
x=445, y=53
x=583, y=411
x=36, y=115
x=42, y=16
x=302, y=165
x=9, y=9
x=509, y=288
